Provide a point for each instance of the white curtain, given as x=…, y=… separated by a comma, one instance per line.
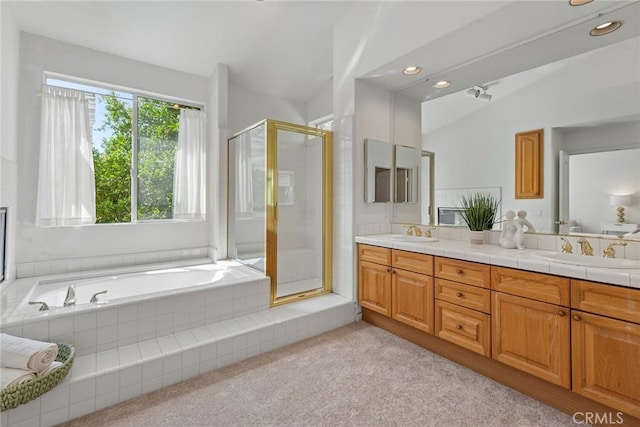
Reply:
x=66, y=182
x=189, y=189
x=244, y=181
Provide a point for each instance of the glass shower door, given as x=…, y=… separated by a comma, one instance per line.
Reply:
x=299, y=201
x=247, y=198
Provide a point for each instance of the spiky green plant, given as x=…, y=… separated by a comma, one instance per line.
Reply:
x=479, y=211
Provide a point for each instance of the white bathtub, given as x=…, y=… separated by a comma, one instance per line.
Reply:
x=122, y=288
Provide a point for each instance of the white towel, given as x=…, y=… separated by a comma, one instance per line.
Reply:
x=12, y=376
x=25, y=353
x=54, y=365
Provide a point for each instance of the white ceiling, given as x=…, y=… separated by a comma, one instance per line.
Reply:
x=280, y=48
x=520, y=36
x=285, y=48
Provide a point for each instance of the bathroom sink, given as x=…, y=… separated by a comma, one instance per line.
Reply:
x=589, y=261
x=414, y=239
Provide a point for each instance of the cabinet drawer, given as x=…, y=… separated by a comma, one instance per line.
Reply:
x=411, y=261
x=608, y=300
x=467, y=296
x=374, y=254
x=541, y=287
x=467, y=328
x=467, y=272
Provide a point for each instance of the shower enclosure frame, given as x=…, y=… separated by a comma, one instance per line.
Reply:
x=271, y=205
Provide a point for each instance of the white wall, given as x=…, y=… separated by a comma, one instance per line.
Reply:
x=9, y=57
x=247, y=107
x=603, y=174
x=321, y=104
x=39, y=54
x=477, y=150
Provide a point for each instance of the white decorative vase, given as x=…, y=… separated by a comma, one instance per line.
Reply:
x=476, y=237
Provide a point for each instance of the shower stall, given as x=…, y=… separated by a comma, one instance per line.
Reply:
x=280, y=206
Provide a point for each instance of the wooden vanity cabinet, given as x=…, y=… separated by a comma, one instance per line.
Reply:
x=397, y=284
x=463, y=304
x=606, y=344
x=374, y=278
x=528, y=332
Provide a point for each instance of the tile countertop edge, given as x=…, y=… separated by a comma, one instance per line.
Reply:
x=513, y=258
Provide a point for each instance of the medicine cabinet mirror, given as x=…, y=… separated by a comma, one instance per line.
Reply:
x=406, y=174
x=378, y=157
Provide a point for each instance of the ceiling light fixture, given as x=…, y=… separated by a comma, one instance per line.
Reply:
x=606, y=28
x=579, y=2
x=441, y=84
x=411, y=71
x=479, y=92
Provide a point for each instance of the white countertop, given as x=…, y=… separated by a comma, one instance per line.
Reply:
x=514, y=258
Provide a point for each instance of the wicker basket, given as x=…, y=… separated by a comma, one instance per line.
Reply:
x=22, y=393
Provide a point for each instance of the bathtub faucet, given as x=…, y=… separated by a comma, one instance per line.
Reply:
x=43, y=305
x=94, y=298
x=70, y=299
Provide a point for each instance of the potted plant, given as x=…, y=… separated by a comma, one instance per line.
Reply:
x=479, y=211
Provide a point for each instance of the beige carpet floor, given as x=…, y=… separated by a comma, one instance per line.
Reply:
x=357, y=375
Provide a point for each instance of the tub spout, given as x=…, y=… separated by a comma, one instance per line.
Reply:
x=70, y=299
x=94, y=298
x=43, y=305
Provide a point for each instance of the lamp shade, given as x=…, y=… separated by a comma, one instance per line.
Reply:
x=619, y=200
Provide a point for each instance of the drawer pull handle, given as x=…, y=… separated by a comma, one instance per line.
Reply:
x=458, y=271
x=459, y=294
x=458, y=326
x=576, y=317
x=561, y=313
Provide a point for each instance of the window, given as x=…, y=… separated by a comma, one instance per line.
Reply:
x=135, y=140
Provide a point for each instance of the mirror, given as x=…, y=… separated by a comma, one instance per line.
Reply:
x=474, y=140
x=406, y=174
x=378, y=158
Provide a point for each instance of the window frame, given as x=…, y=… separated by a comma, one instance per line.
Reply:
x=135, y=95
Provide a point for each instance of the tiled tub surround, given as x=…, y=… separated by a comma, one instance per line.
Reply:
x=141, y=345
x=74, y=265
x=522, y=259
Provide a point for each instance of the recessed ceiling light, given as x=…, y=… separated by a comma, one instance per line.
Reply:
x=411, y=71
x=579, y=2
x=606, y=28
x=441, y=84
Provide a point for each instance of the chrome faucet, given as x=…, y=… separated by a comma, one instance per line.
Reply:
x=70, y=299
x=609, y=252
x=566, y=246
x=43, y=305
x=94, y=298
x=585, y=247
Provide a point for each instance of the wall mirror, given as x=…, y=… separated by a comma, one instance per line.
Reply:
x=378, y=158
x=474, y=139
x=407, y=160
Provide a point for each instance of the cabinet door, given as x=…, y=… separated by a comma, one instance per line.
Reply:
x=605, y=361
x=374, y=287
x=412, y=299
x=529, y=165
x=532, y=336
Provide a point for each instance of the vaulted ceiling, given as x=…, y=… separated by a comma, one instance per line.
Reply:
x=285, y=48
